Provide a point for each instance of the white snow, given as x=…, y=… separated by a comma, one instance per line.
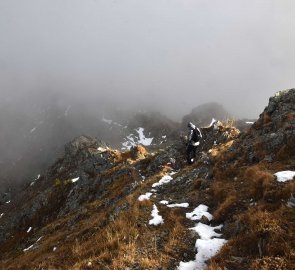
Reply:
x=29, y=229
x=54, y=249
x=26, y=249
x=8, y=202
x=207, y=249
x=37, y=178
x=201, y=210
x=164, y=180
x=157, y=219
x=206, y=232
x=39, y=239
x=32, y=130
x=164, y=202
x=102, y=149
x=207, y=246
x=284, y=176
x=184, y=205
x=1, y=215
x=133, y=140
x=212, y=122
x=142, y=139
x=191, y=265
x=249, y=123
x=145, y=196
x=75, y=179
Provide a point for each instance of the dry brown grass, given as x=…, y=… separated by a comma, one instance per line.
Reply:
x=260, y=182
x=287, y=151
x=269, y=263
x=220, y=190
x=290, y=117
x=224, y=208
x=263, y=121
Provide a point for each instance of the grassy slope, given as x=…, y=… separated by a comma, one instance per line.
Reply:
x=245, y=197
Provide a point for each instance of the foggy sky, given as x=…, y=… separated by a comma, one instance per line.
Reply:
x=167, y=55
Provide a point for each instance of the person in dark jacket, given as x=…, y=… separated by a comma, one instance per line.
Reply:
x=193, y=142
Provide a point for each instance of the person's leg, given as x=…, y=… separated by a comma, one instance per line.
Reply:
x=191, y=153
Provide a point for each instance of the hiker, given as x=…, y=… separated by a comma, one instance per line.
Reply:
x=193, y=141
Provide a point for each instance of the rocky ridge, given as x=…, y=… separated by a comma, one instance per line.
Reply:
x=86, y=205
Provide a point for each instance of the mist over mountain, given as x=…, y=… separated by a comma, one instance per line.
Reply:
x=65, y=66
x=144, y=207
x=35, y=128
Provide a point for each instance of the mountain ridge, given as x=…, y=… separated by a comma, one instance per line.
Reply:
x=87, y=212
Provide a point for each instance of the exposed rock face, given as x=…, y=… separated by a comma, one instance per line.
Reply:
x=71, y=181
x=272, y=136
x=90, y=195
x=275, y=128
x=218, y=133
x=156, y=125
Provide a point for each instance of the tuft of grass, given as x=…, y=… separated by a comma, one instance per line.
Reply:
x=269, y=263
x=260, y=182
x=224, y=208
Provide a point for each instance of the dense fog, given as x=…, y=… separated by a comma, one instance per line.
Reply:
x=93, y=58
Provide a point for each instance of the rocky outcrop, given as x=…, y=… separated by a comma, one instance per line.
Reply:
x=274, y=132
x=67, y=184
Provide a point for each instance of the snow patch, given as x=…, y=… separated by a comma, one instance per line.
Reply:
x=206, y=250
x=1, y=215
x=164, y=180
x=133, y=140
x=142, y=139
x=184, y=205
x=39, y=239
x=249, y=123
x=284, y=176
x=37, y=178
x=157, y=219
x=75, y=179
x=8, y=202
x=212, y=122
x=208, y=245
x=29, y=229
x=145, y=196
x=164, y=202
x=30, y=247
x=201, y=210
x=206, y=232
x=102, y=149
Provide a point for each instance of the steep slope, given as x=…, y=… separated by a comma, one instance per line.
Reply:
x=34, y=137
x=99, y=208
x=86, y=209
x=256, y=206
